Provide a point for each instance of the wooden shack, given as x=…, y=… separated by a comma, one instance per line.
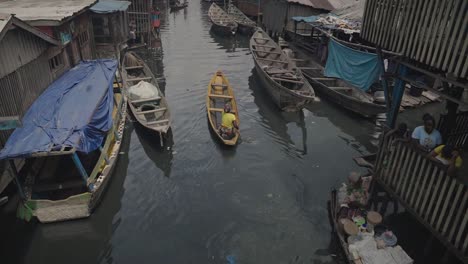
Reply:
x=110, y=27
x=67, y=21
x=277, y=14
x=139, y=12
x=426, y=39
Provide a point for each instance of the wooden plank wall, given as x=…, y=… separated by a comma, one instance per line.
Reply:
x=432, y=32
x=437, y=200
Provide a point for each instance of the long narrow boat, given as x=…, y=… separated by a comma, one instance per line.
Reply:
x=220, y=93
x=146, y=101
x=279, y=74
x=178, y=6
x=246, y=25
x=70, y=142
x=223, y=23
x=344, y=94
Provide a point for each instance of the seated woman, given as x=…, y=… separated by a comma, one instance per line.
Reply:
x=447, y=155
x=228, y=123
x=426, y=137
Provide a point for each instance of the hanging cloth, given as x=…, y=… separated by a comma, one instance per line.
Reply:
x=361, y=69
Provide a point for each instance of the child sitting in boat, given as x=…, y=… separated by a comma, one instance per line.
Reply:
x=228, y=123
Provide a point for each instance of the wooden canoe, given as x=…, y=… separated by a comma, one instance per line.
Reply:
x=219, y=93
x=279, y=74
x=343, y=94
x=245, y=25
x=223, y=23
x=151, y=112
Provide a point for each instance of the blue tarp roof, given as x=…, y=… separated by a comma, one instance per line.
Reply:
x=109, y=6
x=74, y=111
x=309, y=19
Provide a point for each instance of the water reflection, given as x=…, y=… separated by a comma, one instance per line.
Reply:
x=278, y=121
x=86, y=240
x=232, y=43
x=160, y=155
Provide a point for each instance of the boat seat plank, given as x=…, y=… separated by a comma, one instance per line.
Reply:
x=139, y=79
x=287, y=80
x=220, y=85
x=323, y=79
x=219, y=110
x=265, y=51
x=134, y=67
x=153, y=111
x=262, y=38
x=146, y=100
x=277, y=61
x=265, y=46
x=158, y=122
x=220, y=96
x=309, y=68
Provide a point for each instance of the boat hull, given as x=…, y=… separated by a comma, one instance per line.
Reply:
x=80, y=205
x=245, y=29
x=282, y=97
x=355, y=105
x=223, y=30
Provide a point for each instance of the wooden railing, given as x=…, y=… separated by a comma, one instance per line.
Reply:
x=437, y=200
x=458, y=135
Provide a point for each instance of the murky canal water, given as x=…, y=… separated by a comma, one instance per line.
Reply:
x=194, y=201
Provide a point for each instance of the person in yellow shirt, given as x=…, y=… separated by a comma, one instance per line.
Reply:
x=228, y=123
x=447, y=155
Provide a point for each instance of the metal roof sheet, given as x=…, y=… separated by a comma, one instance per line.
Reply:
x=44, y=10
x=318, y=4
x=4, y=19
x=110, y=6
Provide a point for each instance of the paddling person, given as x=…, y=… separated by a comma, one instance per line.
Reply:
x=228, y=123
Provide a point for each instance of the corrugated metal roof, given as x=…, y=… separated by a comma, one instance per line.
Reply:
x=4, y=19
x=350, y=9
x=318, y=4
x=110, y=6
x=44, y=10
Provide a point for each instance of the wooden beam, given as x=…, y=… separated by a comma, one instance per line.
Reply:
x=145, y=100
x=341, y=88
x=271, y=52
x=277, y=61
x=221, y=85
x=153, y=111
x=133, y=67
x=265, y=46
x=218, y=110
x=139, y=79
x=158, y=122
x=262, y=38
x=286, y=80
x=220, y=96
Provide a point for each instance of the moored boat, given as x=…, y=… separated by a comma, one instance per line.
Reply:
x=279, y=74
x=344, y=94
x=146, y=101
x=245, y=25
x=223, y=23
x=70, y=141
x=177, y=6
x=219, y=94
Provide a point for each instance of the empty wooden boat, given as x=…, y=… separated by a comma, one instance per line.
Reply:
x=245, y=24
x=223, y=23
x=177, y=6
x=219, y=94
x=146, y=101
x=279, y=74
x=344, y=94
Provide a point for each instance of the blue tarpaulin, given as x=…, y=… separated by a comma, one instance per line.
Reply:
x=109, y=6
x=74, y=111
x=361, y=69
x=309, y=19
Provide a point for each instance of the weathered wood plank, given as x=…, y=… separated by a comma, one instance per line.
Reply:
x=453, y=37
x=453, y=207
x=460, y=213
x=404, y=171
x=443, y=28
x=423, y=171
x=423, y=199
x=396, y=173
x=399, y=22
x=411, y=177
x=460, y=231
x=441, y=194
x=461, y=38
x=430, y=12
x=446, y=199
x=434, y=191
